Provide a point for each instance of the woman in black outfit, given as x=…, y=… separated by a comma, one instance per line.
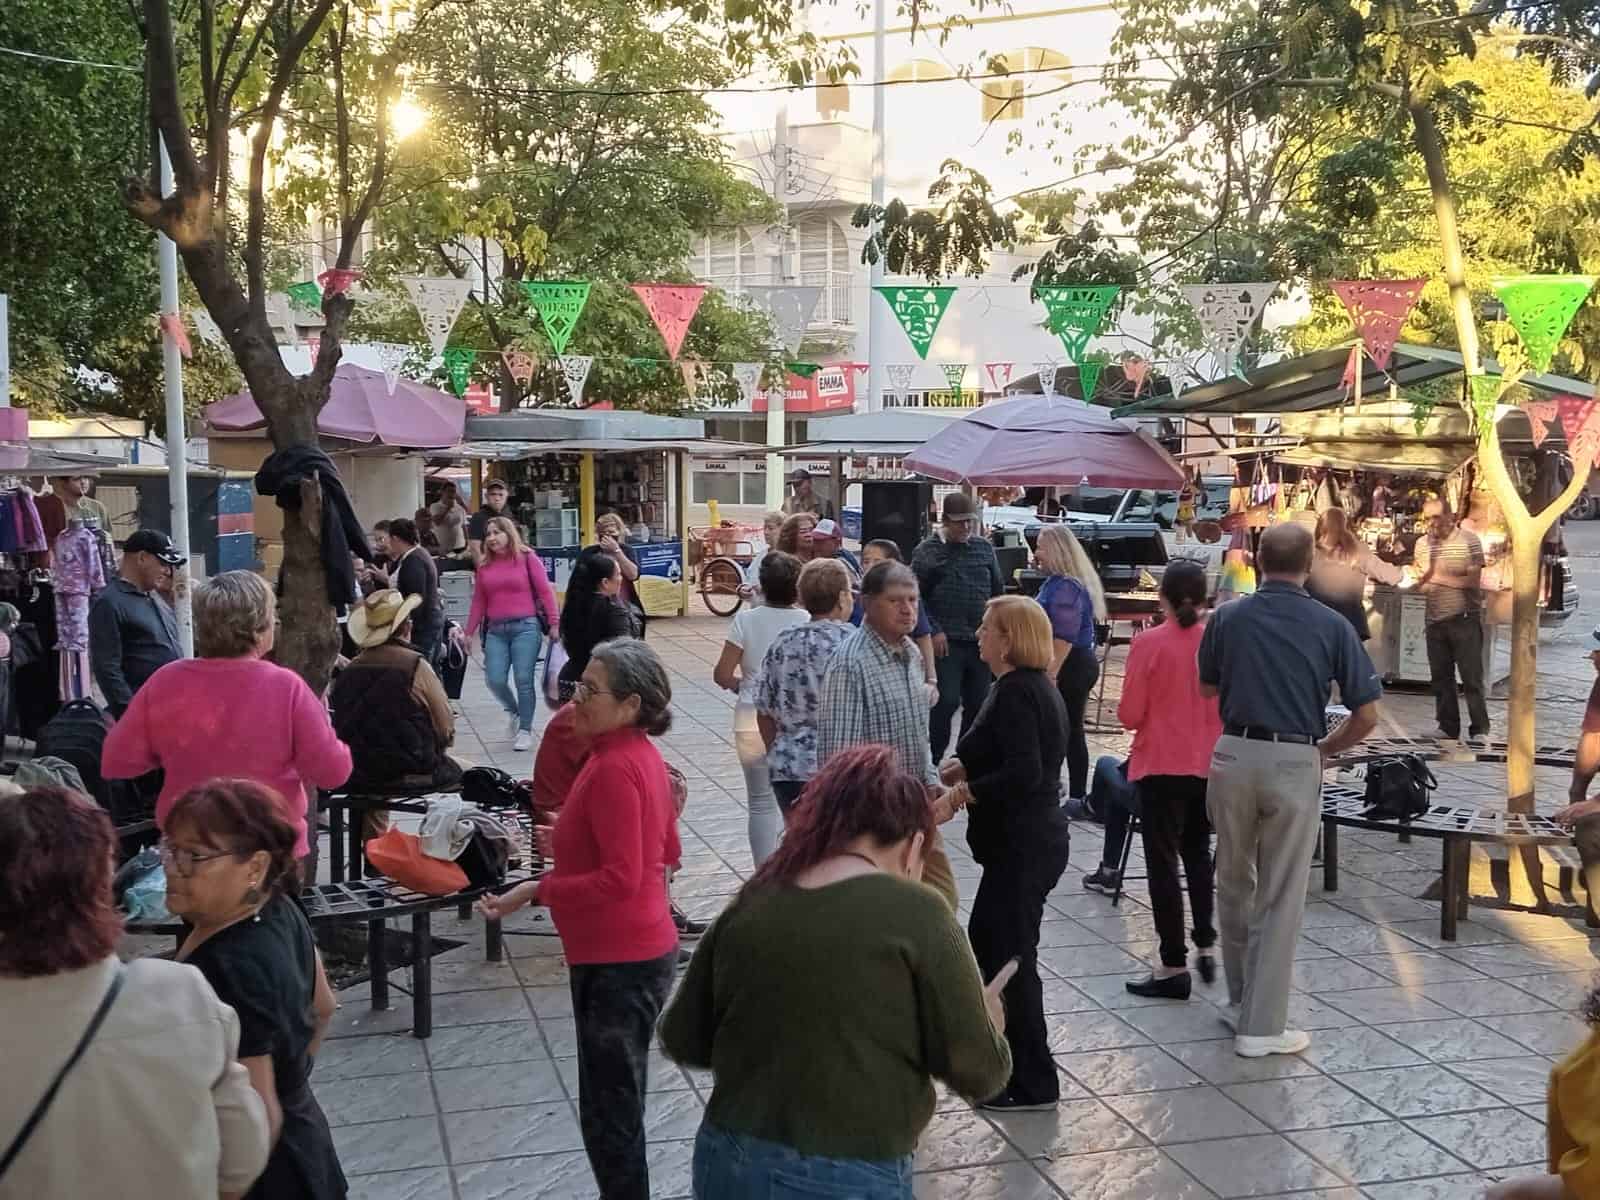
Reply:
x=1008, y=767
x=591, y=613
x=231, y=873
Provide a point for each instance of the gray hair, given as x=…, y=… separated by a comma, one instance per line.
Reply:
x=634, y=669
x=885, y=575
x=231, y=611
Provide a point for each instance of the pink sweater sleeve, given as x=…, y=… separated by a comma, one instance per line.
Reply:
x=319, y=756
x=126, y=752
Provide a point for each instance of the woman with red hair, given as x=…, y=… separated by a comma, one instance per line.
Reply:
x=830, y=994
x=119, y=1080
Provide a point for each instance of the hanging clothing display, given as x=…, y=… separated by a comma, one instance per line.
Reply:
x=77, y=576
x=21, y=531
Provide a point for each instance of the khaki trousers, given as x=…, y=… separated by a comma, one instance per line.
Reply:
x=1265, y=802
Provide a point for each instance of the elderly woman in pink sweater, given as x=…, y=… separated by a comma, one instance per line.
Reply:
x=513, y=597
x=228, y=713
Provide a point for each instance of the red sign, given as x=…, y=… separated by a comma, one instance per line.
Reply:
x=831, y=389
x=478, y=400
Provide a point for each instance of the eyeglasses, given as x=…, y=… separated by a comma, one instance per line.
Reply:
x=584, y=690
x=185, y=861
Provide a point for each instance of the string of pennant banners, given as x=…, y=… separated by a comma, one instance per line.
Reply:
x=1539, y=308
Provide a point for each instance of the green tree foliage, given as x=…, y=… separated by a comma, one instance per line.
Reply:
x=607, y=170
x=1369, y=214
x=80, y=276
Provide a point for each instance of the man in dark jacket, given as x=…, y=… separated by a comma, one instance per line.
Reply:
x=414, y=573
x=388, y=705
x=958, y=574
x=132, y=630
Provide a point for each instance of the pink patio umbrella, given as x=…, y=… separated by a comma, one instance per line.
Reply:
x=1038, y=441
x=360, y=409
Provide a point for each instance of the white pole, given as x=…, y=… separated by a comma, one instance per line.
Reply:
x=177, y=449
x=5, y=351
x=776, y=397
x=878, y=333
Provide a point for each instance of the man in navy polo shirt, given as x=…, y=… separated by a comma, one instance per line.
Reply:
x=1271, y=658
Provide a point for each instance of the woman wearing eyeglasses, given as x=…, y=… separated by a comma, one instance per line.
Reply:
x=607, y=893
x=229, y=854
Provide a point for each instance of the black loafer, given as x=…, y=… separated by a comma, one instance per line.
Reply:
x=1009, y=1101
x=1208, y=968
x=1173, y=987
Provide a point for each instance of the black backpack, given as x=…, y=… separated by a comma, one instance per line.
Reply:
x=1398, y=787
x=77, y=733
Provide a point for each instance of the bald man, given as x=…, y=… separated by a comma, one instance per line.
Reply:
x=1270, y=658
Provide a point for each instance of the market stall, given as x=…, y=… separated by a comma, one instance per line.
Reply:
x=1381, y=462
x=565, y=467
x=375, y=438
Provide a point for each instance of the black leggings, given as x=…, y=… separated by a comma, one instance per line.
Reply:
x=1076, y=679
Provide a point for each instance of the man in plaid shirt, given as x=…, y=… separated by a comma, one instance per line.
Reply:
x=873, y=691
x=958, y=575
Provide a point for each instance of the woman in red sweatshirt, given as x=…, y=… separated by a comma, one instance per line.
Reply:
x=513, y=596
x=607, y=892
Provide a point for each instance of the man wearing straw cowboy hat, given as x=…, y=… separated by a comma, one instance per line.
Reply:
x=388, y=705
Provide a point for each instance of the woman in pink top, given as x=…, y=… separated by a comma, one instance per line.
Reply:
x=228, y=714
x=513, y=597
x=1176, y=729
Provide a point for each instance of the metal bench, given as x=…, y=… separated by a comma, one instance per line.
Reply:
x=374, y=901
x=1457, y=826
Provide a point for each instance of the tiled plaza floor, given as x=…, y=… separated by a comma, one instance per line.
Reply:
x=1425, y=1077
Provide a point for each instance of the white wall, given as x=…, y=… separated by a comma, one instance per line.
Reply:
x=381, y=486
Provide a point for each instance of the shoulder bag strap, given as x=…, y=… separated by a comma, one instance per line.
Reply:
x=533, y=587
x=43, y=1107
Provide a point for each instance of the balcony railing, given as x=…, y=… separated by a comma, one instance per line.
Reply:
x=833, y=306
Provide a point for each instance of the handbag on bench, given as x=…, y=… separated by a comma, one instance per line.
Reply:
x=1398, y=787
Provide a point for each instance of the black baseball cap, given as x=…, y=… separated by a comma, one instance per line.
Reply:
x=797, y=475
x=153, y=541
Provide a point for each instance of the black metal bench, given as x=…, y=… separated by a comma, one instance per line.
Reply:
x=1457, y=826
x=374, y=901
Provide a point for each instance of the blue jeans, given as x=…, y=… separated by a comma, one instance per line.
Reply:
x=512, y=648
x=734, y=1166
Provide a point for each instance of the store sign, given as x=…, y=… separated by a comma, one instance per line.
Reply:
x=660, y=577
x=831, y=389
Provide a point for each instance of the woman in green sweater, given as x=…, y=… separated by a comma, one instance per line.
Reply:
x=828, y=997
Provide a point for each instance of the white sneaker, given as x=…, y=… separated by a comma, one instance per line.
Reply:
x=1290, y=1041
x=1228, y=1014
x=524, y=740
x=513, y=726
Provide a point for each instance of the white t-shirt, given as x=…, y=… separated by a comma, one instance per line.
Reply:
x=753, y=630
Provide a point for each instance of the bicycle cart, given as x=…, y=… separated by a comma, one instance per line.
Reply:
x=718, y=556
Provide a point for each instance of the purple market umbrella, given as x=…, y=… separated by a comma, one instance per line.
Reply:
x=360, y=409
x=1039, y=441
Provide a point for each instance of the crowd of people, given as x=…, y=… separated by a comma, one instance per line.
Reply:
x=838, y=985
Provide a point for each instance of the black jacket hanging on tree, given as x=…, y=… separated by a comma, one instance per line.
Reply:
x=342, y=534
